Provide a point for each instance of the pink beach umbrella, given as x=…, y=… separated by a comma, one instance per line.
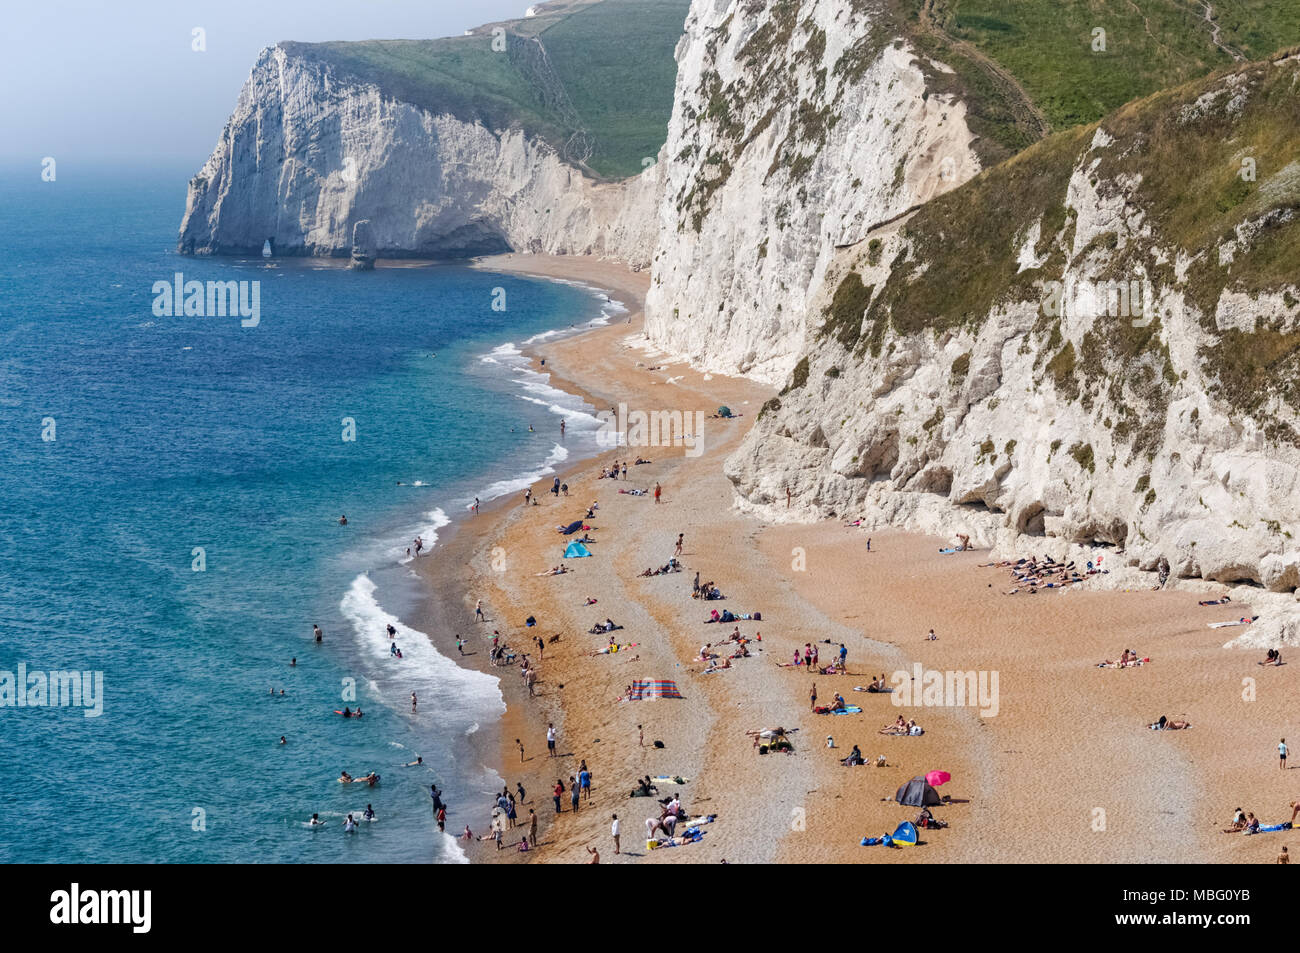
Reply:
x=936, y=778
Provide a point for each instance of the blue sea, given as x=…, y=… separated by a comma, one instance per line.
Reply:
x=169, y=504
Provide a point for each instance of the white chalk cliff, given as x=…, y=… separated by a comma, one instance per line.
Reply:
x=307, y=154
x=1158, y=433
x=789, y=136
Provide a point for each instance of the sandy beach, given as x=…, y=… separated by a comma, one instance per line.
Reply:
x=1058, y=766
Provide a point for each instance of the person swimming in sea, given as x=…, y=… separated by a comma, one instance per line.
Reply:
x=370, y=813
x=350, y=825
x=412, y=764
x=343, y=521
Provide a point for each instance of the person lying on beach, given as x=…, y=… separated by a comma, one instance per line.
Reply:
x=606, y=626
x=1126, y=659
x=714, y=666
x=614, y=648
x=553, y=571
x=1216, y=602
x=1274, y=657
x=1165, y=724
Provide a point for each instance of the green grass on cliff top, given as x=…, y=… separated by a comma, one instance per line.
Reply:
x=603, y=70
x=1149, y=44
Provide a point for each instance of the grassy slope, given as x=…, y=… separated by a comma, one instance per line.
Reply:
x=1193, y=198
x=613, y=60
x=616, y=63
x=1150, y=45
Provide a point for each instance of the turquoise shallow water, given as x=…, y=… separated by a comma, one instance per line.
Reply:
x=172, y=433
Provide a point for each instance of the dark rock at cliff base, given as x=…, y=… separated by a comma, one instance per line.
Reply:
x=363, y=250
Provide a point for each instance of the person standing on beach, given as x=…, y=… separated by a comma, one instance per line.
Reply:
x=519, y=787
x=574, y=793
x=613, y=830
x=844, y=654
x=584, y=780
x=680, y=538
x=478, y=612
x=550, y=738
x=1281, y=754
x=475, y=506
x=557, y=794
x=868, y=544
x=657, y=492
x=787, y=497
x=640, y=739
x=532, y=827
x=521, y=750
x=812, y=697
x=541, y=648
x=460, y=644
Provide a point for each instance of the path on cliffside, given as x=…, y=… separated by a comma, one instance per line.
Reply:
x=1215, y=29
x=1018, y=98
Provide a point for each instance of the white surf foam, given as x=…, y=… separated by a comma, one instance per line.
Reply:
x=436, y=520
x=518, y=483
x=447, y=691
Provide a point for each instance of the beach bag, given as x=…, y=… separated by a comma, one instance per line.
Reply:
x=659, y=744
x=758, y=617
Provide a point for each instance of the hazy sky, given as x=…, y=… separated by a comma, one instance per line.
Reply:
x=82, y=80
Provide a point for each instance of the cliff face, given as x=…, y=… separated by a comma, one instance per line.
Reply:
x=308, y=153
x=1097, y=341
x=795, y=128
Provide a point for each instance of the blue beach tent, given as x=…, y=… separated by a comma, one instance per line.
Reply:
x=575, y=550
